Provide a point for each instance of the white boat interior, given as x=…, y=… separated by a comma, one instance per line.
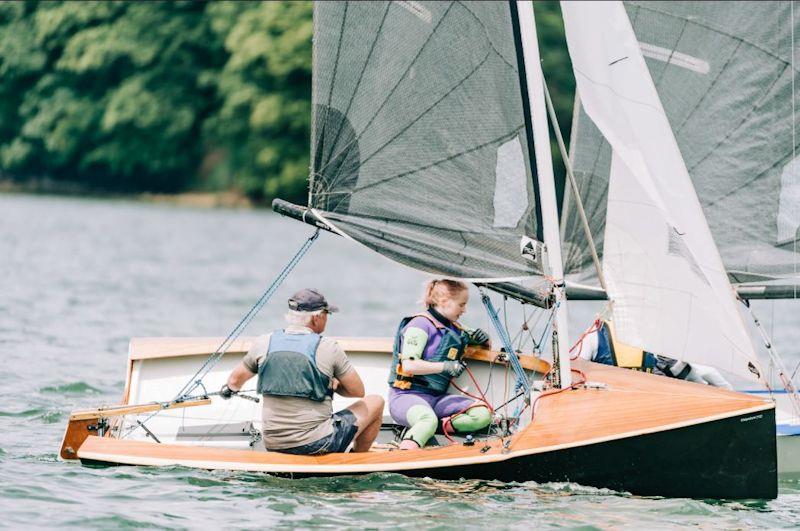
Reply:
x=159, y=367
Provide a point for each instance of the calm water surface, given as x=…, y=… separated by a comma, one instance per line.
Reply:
x=78, y=278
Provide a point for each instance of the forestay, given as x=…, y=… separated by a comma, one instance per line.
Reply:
x=669, y=288
x=419, y=143
x=723, y=72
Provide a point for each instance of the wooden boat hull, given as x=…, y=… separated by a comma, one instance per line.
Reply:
x=629, y=431
x=731, y=458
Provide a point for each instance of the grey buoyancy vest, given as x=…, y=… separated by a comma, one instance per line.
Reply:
x=290, y=368
x=451, y=348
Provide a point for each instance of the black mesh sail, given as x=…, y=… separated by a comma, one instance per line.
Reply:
x=725, y=74
x=419, y=145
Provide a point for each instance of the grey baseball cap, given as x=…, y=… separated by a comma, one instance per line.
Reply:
x=310, y=300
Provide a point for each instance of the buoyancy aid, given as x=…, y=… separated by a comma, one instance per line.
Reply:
x=613, y=352
x=451, y=347
x=290, y=368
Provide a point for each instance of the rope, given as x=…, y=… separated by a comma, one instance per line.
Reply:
x=214, y=358
x=595, y=327
x=522, y=379
x=794, y=140
x=574, y=385
x=197, y=379
x=480, y=402
x=574, y=186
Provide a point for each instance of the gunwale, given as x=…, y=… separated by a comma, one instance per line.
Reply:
x=147, y=348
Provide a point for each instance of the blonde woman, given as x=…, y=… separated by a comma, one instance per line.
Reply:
x=427, y=353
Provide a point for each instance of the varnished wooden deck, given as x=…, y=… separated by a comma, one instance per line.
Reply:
x=632, y=404
x=168, y=347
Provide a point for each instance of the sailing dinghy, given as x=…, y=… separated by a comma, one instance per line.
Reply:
x=430, y=146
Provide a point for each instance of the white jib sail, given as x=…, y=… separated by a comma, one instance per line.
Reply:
x=668, y=285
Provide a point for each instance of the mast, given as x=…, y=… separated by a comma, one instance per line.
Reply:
x=547, y=191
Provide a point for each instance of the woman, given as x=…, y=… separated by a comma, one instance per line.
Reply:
x=427, y=353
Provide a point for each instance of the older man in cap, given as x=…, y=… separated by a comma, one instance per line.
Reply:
x=298, y=371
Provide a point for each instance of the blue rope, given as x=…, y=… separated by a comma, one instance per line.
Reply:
x=197, y=380
x=212, y=360
x=522, y=378
x=548, y=323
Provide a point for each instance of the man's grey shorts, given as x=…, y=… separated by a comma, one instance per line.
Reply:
x=344, y=429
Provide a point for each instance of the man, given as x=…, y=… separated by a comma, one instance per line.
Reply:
x=298, y=371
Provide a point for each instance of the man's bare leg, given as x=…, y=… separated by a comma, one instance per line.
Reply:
x=369, y=414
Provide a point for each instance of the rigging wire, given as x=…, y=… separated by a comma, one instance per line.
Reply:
x=522, y=379
x=212, y=360
x=197, y=379
x=794, y=137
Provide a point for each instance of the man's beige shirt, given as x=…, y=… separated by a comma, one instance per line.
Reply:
x=290, y=421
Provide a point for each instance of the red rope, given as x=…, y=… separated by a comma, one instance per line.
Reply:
x=447, y=421
x=551, y=393
x=579, y=344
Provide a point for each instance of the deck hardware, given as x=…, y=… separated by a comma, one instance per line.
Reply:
x=486, y=448
x=595, y=385
x=247, y=397
x=255, y=435
x=100, y=427
x=147, y=430
x=469, y=440
x=507, y=446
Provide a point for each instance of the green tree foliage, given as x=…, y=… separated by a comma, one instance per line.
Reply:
x=264, y=120
x=169, y=96
x=110, y=94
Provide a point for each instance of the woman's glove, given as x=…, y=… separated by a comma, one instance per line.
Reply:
x=478, y=337
x=454, y=368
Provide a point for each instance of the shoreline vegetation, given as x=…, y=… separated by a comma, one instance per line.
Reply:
x=193, y=199
x=203, y=103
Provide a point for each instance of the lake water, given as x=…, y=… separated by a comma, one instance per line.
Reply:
x=79, y=278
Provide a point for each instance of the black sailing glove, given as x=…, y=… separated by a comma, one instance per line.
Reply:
x=454, y=368
x=226, y=392
x=478, y=337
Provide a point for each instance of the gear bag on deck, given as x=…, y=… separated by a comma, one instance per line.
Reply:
x=290, y=368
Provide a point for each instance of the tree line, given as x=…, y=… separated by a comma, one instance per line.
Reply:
x=174, y=96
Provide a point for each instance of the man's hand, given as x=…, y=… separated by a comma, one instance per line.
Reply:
x=226, y=392
x=478, y=337
x=454, y=368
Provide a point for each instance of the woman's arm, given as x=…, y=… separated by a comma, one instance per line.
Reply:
x=422, y=367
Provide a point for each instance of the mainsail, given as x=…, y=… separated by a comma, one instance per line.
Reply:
x=420, y=148
x=723, y=72
x=669, y=288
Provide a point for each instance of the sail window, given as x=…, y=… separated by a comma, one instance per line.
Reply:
x=511, y=188
x=789, y=203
